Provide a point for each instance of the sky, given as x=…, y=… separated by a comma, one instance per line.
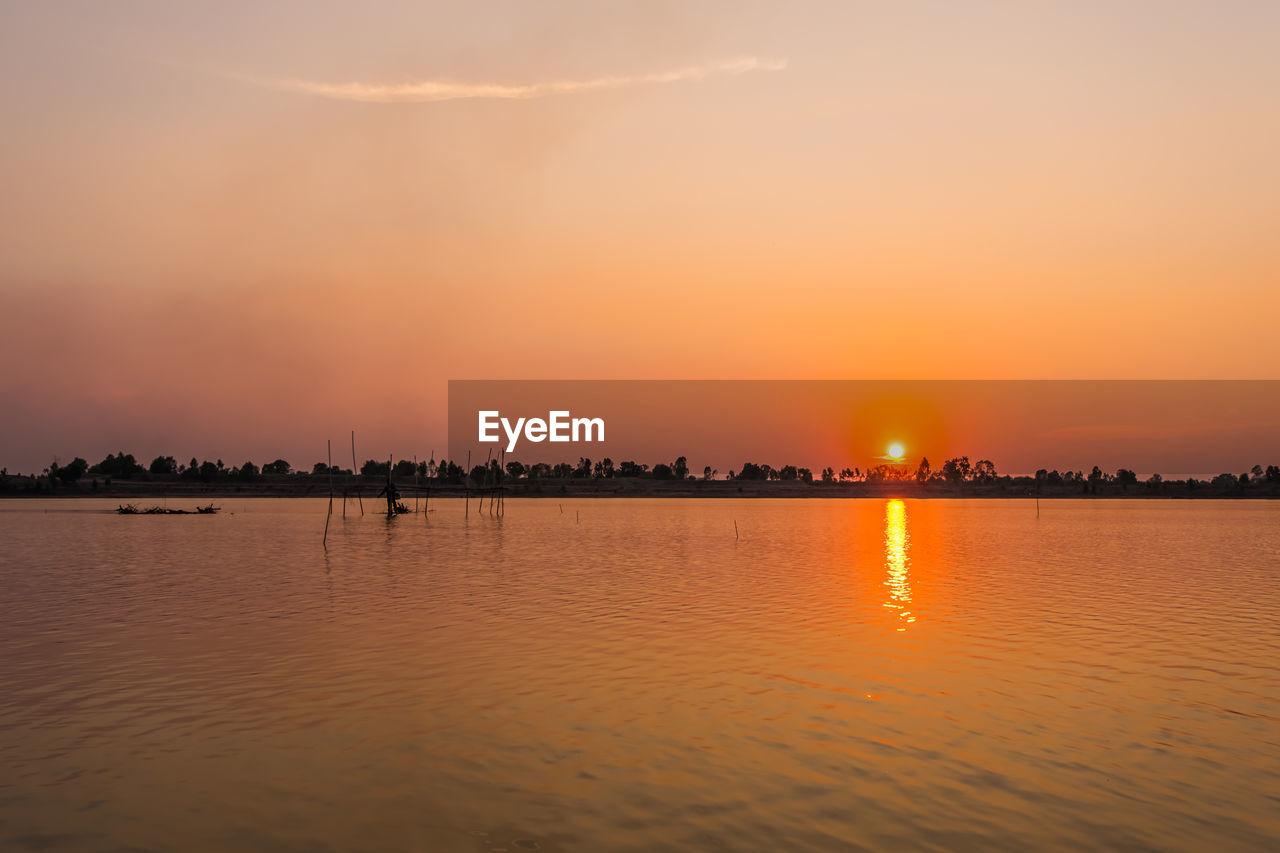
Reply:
x=236, y=231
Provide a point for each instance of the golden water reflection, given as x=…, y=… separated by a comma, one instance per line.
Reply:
x=897, y=561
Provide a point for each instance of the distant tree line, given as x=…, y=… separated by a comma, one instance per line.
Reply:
x=955, y=473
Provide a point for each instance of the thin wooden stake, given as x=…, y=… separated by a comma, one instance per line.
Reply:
x=391, y=490
x=488, y=456
x=735, y=530
x=324, y=541
x=354, y=469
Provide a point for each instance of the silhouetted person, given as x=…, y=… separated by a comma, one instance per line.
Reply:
x=392, y=495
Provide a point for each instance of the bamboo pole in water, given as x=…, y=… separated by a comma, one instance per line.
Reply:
x=354, y=469
x=325, y=539
x=466, y=484
x=487, y=475
x=391, y=490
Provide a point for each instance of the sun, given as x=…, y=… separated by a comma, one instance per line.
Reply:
x=896, y=451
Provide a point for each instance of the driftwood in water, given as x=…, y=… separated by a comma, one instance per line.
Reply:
x=131, y=509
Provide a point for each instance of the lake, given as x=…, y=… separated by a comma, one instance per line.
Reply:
x=633, y=675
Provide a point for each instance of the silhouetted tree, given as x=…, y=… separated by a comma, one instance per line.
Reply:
x=373, y=468
x=583, y=468
x=277, y=467
x=1126, y=478
x=828, y=475
x=515, y=470
x=163, y=465
x=788, y=473
x=883, y=472
x=404, y=468
x=751, y=471
x=923, y=472
x=956, y=469
x=247, y=471
x=72, y=471
x=984, y=471
x=662, y=471
x=1226, y=481
x=680, y=468
x=123, y=466
x=805, y=475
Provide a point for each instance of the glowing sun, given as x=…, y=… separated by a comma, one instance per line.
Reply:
x=896, y=451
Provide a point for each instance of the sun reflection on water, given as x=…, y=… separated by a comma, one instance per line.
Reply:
x=897, y=561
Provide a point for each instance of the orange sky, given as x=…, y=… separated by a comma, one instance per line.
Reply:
x=236, y=233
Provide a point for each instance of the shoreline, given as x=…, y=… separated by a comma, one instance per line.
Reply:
x=131, y=491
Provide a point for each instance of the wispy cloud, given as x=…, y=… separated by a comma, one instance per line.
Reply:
x=450, y=90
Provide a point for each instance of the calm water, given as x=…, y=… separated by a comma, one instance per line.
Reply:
x=625, y=675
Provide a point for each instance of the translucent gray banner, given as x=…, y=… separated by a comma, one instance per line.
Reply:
x=1176, y=428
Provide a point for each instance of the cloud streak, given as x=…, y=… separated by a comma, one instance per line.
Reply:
x=449, y=90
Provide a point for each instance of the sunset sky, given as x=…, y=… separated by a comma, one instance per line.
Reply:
x=235, y=231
